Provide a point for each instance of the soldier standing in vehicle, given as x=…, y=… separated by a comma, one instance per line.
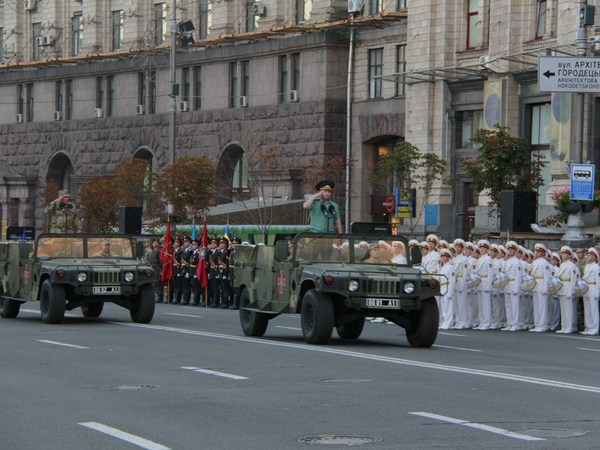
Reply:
x=324, y=212
x=62, y=214
x=157, y=264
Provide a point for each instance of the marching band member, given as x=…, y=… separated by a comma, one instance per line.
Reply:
x=541, y=270
x=497, y=294
x=591, y=275
x=512, y=289
x=433, y=255
x=447, y=283
x=525, y=304
x=484, y=269
x=567, y=273
x=462, y=268
x=471, y=295
x=553, y=302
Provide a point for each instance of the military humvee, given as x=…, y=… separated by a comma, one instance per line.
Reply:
x=68, y=271
x=336, y=281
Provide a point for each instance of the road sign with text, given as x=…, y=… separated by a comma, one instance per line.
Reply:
x=568, y=74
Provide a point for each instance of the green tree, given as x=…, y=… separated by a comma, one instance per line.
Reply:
x=406, y=167
x=504, y=163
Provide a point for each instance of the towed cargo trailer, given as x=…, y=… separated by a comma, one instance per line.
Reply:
x=67, y=271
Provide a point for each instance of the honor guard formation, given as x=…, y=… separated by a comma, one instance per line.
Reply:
x=508, y=287
x=184, y=288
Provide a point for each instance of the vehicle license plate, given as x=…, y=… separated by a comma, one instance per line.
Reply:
x=106, y=289
x=382, y=303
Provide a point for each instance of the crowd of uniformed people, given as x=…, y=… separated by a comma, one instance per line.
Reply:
x=509, y=287
x=185, y=288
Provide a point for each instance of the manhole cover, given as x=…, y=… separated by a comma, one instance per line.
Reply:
x=128, y=387
x=551, y=432
x=345, y=380
x=340, y=440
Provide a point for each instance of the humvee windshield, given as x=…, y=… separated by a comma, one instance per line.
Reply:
x=78, y=247
x=388, y=250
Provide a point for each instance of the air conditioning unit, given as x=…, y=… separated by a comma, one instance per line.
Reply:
x=259, y=9
x=47, y=40
x=140, y=109
x=39, y=40
x=19, y=118
x=57, y=115
x=98, y=112
x=30, y=5
x=355, y=6
x=184, y=106
x=293, y=96
x=484, y=59
x=243, y=101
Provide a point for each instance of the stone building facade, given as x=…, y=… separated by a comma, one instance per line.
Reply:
x=84, y=84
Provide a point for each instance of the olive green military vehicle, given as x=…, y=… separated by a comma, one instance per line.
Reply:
x=336, y=281
x=68, y=271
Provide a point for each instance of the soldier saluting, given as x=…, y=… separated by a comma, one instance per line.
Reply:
x=62, y=214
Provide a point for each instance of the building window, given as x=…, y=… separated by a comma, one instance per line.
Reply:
x=303, y=10
x=99, y=92
x=540, y=137
x=69, y=96
x=37, y=45
x=471, y=121
x=117, y=29
x=401, y=5
x=474, y=25
x=185, y=84
x=29, y=95
x=20, y=99
x=197, y=88
x=375, y=72
x=376, y=6
x=152, y=92
x=205, y=8
x=295, y=72
x=58, y=96
x=400, y=69
x=76, y=34
x=160, y=23
x=110, y=95
x=1, y=45
x=251, y=19
x=245, y=75
x=233, y=85
x=142, y=88
x=283, y=79
x=540, y=26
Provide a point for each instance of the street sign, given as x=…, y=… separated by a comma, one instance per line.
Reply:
x=568, y=74
x=389, y=204
x=582, y=181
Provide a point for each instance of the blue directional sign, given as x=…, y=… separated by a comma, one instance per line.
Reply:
x=582, y=181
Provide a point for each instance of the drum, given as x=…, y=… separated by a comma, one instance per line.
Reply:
x=554, y=285
x=527, y=282
x=500, y=280
x=473, y=280
x=581, y=287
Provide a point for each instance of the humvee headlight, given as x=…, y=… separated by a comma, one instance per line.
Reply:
x=60, y=273
x=353, y=286
x=128, y=276
x=328, y=280
x=82, y=277
x=409, y=287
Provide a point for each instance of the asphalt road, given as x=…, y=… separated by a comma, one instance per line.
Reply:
x=192, y=380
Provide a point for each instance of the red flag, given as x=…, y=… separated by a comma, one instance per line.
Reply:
x=166, y=256
x=202, y=271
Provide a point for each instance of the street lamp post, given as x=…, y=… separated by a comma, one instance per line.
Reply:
x=174, y=87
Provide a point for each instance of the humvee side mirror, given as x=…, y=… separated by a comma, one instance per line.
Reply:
x=415, y=255
x=281, y=250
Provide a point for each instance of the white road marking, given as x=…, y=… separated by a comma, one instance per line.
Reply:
x=458, y=348
x=127, y=437
x=452, y=334
x=366, y=356
x=289, y=328
x=588, y=349
x=568, y=336
x=218, y=374
x=182, y=315
x=478, y=426
x=62, y=344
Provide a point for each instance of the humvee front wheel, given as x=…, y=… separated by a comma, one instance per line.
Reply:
x=52, y=302
x=253, y=323
x=142, y=309
x=9, y=309
x=351, y=330
x=316, y=317
x=424, y=327
x=92, y=309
